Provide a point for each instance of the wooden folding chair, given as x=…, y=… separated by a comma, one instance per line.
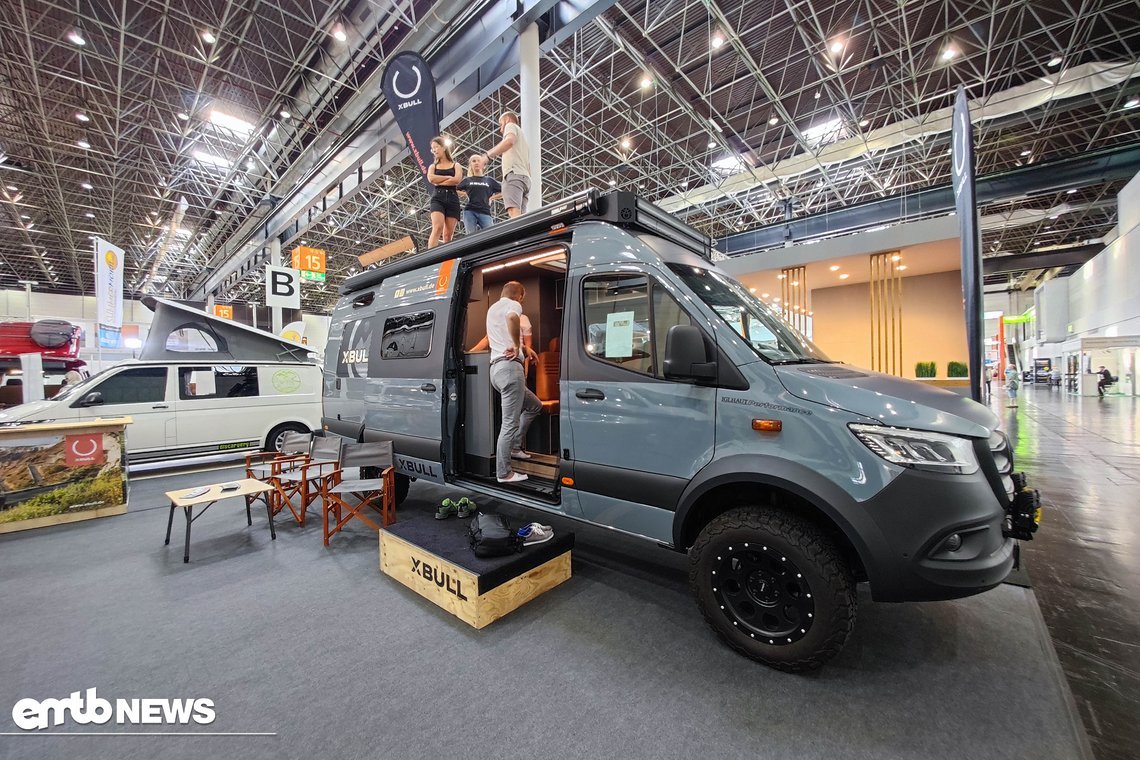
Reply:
x=378, y=494
x=263, y=465
x=303, y=481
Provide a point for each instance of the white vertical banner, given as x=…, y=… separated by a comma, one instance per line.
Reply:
x=282, y=287
x=108, y=292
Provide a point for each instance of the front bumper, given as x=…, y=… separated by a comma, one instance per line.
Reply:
x=946, y=536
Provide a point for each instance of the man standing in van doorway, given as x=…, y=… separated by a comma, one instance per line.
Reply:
x=507, y=326
x=516, y=164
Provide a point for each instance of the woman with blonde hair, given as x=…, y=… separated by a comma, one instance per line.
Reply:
x=445, y=175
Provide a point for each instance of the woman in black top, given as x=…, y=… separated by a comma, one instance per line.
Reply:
x=445, y=174
x=480, y=191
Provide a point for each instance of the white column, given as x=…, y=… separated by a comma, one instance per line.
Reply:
x=529, y=110
x=275, y=260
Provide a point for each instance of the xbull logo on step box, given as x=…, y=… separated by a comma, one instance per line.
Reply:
x=419, y=468
x=434, y=574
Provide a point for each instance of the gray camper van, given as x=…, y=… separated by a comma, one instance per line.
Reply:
x=680, y=409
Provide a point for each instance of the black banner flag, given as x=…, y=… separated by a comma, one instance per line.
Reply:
x=962, y=170
x=409, y=89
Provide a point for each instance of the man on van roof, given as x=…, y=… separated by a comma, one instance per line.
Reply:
x=506, y=328
x=516, y=164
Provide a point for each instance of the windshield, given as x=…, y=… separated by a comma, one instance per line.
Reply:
x=757, y=322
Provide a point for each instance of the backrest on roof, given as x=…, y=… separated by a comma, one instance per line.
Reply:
x=367, y=454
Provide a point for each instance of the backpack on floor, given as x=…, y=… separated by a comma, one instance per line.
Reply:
x=490, y=535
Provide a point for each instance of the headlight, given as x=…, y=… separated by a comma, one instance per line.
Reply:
x=919, y=449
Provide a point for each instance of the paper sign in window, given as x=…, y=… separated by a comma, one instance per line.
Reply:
x=619, y=335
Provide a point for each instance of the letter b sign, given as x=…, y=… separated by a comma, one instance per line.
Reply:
x=282, y=287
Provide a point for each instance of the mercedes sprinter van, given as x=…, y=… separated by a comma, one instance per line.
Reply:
x=680, y=409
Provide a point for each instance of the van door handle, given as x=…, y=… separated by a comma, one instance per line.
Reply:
x=161, y=406
x=428, y=388
x=590, y=394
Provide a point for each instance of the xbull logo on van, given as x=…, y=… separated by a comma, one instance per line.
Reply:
x=87, y=707
x=354, y=356
x=433, y=574
x=418, y=468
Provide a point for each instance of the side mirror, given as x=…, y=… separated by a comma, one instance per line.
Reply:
x=685, y=357
x=92, y=399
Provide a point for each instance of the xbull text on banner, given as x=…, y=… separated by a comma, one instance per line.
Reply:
x=409, y=89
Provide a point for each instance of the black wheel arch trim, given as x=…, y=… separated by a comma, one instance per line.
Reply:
x=757, y=469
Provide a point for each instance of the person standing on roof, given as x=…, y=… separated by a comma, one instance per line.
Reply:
x=445, y=174
x=480, y=191
x=516, y=164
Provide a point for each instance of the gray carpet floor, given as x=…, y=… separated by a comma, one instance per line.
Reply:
x=318, y=647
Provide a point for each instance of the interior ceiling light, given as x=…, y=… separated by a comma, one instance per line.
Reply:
x=712, y=144
x=717, y=41
x=1071, y=191
x=285, y=114
x=834, y=267
x=183, y=116
x=949, y=54
x=685, y=183
x=780, y=276
x=87, y=186
x=837, y=47
x=625, y=143
x=89, y=215
x=864, y=122
x=1055, y=60
x=12, y=188
x=208, y=37
x=763, y=295
x=613, y=182
x=896, y=257
x=82, y=117
x=84, y=144
x=447, y=141
x=338, y=33
x=902, y=267
x=1026, y=152
x=818, y=95
x=232, y=123
x=25, y=217
x=646, y=82
x=844, y=276
x=752, y=290
x=774, y=120
x=76, y=38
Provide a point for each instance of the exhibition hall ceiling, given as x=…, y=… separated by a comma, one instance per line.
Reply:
x=164, y=127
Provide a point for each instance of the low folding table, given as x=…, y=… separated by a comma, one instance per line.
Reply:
x=188, y=498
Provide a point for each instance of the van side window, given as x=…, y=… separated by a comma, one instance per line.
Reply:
x=407, y=336
x=217, y=382
x=628, y=317
x=141, y=385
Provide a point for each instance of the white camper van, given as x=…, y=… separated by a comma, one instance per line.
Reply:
x=204, y=385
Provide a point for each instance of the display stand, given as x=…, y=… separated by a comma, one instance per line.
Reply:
x=432, y=558
x=61, y=472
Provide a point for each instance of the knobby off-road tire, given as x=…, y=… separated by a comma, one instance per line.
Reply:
x=774, y=587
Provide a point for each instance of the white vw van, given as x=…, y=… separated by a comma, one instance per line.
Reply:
x=200, y=388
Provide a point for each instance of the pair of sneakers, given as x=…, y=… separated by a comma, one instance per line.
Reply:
x=535, y=533
x=461, y=508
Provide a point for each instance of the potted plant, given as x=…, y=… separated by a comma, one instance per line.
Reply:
x=925, y=370
x=957, y=369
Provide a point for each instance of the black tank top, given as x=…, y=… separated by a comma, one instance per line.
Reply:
x=445, y=189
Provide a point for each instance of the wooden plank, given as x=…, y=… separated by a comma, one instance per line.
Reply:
x=66, y=517
x=101, y=424
x=395, y=248
x=518, y=591
x=454, y=588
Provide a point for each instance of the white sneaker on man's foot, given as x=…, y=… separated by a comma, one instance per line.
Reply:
x=514, y=477
x=519, y=454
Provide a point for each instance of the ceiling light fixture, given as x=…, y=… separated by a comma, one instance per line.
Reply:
x=183, y=116
x=1026, y=152
x=338, y=33
x=87, y=186
x=712, y=144
x=774, y=121
x=76, y=38
x=902, y=267
x=1055, y=60
x=82, y=117
x=625, y=143
x=12, y=188
x=613, y=182
x=208, y=37
x=834, y=267
x=717, y=41
x=285, y=114
x=949, y=54
x=1071, y=191
x=844, y=276
x=818, y=95
x=837, y=47
x=896, y=257
x=864, y=122
x=89, y=215
x=763, y=295
x=84, y=144
x=646, y=82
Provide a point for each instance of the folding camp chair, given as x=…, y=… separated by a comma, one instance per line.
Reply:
x=374, y=493
x=302, y=482
x=263, y=465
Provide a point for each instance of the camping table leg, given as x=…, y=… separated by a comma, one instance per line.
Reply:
x=269, y=512
x=248, y=517
x=169, y=523
x=189, y=519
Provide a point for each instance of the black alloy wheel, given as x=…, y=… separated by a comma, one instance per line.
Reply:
x=763, y=593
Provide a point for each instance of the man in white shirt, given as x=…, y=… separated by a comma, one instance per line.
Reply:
x=516, y=164
x=506, y=328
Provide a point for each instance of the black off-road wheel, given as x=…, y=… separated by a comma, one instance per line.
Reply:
x=774, y=587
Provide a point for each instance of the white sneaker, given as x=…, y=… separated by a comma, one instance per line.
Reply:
x=536, y=534
x=519, y=454
x=514, y=477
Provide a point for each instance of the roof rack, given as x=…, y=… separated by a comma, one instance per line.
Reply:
x=616, y=206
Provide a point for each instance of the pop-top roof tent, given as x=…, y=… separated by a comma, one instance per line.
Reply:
x=226, y=340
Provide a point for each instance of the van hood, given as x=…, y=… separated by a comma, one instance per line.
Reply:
x=33, y=410
x=890, y=400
